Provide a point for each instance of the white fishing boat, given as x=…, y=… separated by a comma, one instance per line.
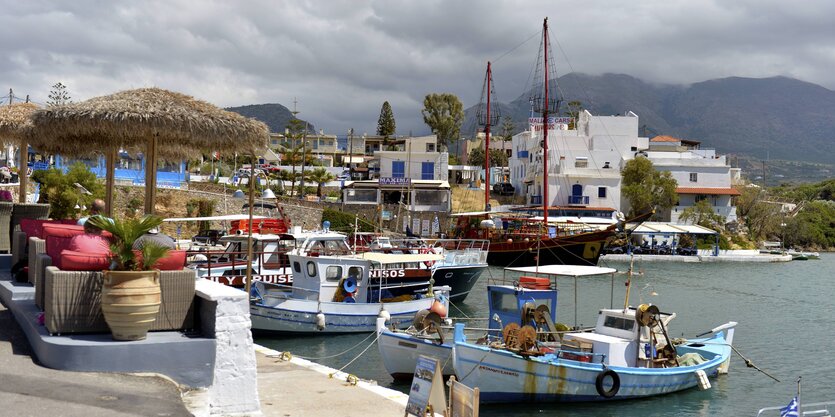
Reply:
x=337, y=294
x=628, y=354
x=799, y=255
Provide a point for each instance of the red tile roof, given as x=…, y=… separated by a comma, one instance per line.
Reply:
x=707, y=190
x=664, y=139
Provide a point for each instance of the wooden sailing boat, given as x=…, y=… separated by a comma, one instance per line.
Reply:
x=522, y=241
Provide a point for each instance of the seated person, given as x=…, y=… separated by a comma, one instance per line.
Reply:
x=96, y=209
x=154, y=236
x=90, y=242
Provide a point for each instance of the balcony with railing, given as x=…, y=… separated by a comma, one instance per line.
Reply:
x=574, y=200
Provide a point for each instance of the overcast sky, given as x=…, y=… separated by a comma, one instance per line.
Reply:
x=341, y=59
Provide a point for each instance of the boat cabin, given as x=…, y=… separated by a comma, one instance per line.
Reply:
x=327, y=279
x=618, y=339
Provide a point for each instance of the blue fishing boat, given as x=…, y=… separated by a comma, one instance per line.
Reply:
x=628, y=354
x=431, y=335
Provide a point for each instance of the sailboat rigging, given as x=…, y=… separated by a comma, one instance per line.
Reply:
x=518, y=240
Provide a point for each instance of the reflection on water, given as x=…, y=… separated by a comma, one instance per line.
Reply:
x=784, y=312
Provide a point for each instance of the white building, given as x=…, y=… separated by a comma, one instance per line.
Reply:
x=701, y=175
x=410, y=175
x=585, y=163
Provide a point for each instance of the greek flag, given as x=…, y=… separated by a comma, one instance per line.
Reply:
x=790, y=410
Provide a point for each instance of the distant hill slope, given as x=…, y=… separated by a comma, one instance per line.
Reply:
x=276, y=116
x=778, y=118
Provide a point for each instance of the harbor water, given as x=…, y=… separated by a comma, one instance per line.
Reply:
x=785, y=313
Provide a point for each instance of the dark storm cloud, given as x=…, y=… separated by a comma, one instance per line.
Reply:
x=342, y=59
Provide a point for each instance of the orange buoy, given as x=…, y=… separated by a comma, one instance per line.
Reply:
x=439, y=308
x=535, y=283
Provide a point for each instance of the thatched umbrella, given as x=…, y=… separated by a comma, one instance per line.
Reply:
x=14, y=121
x=157, y=121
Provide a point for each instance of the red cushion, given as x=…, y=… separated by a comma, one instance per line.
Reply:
x=58, y=229
x=58, y=237
x=81, y=261
x=174, y=261
x=34, y=227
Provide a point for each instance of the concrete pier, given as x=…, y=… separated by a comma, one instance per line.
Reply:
x=298, y=388
x=702, y=256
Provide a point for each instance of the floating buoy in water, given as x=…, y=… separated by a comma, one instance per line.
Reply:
x=320, y=321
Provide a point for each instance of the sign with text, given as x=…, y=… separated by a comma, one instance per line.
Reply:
x=426, y=229
x=536, y=122
x=427, y=391
x=394, y=181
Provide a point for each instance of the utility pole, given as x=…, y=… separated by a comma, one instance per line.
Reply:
x=351, y=153
x=304, y=158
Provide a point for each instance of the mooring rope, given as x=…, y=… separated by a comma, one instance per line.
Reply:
x=310, y=358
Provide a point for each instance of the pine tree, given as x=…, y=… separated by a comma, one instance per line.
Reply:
x=385, y=124
x=58, y=95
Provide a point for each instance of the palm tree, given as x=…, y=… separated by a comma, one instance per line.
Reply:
x=320, y=176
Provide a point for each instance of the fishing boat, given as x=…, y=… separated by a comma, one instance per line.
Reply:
x=628, y=354
x=431, y=334
x=461, y=263
x=799, y=255
x=337, y=294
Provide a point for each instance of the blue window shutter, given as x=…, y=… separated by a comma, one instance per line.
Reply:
x=427, y=171
x=398, y=169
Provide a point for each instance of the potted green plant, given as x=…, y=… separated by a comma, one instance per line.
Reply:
x=130, y=295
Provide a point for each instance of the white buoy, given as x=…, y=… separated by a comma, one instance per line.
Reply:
x=488, y=224
x=704, y=383
x=320, y=321
x=384, y=314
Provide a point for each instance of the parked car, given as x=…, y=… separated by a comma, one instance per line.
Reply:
x=344, y=176
x=503, y=188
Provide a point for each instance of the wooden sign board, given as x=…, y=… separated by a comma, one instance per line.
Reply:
x=463, y=400
x=427, y=391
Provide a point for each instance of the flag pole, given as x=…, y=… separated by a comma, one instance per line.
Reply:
x=799, y=409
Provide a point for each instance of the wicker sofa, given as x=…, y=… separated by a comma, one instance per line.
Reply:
x=72, y=301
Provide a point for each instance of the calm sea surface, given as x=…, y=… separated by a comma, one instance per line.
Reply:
x=785, y=313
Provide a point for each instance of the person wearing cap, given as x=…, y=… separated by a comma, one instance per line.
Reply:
x=156, y=237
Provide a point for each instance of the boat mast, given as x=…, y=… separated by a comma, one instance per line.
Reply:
x=487, y=144
x=545, y=130
x=487, y=117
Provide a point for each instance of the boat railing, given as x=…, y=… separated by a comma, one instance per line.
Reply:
x=814, y=409
x=233, y=260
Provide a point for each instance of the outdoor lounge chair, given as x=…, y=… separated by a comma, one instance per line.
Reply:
x=72, y=301
x=5, y=221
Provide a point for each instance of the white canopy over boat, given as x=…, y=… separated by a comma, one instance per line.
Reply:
x=564, y=270
x=394, y=258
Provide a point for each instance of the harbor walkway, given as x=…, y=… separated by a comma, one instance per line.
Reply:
x=287, y=387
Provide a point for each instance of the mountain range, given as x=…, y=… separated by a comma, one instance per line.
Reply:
x=765, y=118
x=274, y=115
x=776, y=118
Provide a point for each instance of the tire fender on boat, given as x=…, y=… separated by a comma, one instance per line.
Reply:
x=601, y=378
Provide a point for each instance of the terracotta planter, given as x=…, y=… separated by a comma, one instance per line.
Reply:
x=130, y=302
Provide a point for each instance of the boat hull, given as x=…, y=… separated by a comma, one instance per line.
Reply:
x=580, y=250
x=300, y=316
x=400, y=352
x=503, y=376
x=460, y=278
